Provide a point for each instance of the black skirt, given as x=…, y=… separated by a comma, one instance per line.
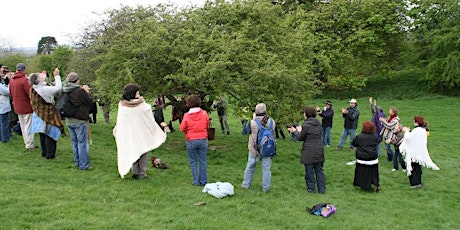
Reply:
x=366, y=175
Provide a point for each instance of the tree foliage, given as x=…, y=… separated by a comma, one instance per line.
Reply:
x=46, y=45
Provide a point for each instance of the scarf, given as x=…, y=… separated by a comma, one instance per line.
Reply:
x=391, y=117
x=46, y=111
x=133, y=102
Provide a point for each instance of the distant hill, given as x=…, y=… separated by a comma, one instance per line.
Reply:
x=28, y=51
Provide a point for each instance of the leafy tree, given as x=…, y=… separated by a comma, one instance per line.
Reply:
x=435, y=31
x=58, y=59
x=46, y=45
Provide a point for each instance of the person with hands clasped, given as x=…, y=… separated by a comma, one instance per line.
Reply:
x=312, y=153
x=350, y=116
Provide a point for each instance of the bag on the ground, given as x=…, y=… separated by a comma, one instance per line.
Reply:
x=322, y=209
x=64, y=106
x=266, y=143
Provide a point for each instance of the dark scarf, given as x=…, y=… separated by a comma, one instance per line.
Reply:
x=391, y=117
x=46, y=111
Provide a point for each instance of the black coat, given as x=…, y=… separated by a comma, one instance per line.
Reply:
x=366, y=146
x=82, y=101
x=312, y=148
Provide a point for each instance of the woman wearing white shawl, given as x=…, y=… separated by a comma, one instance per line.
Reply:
x=414, y=147
x=136, y=133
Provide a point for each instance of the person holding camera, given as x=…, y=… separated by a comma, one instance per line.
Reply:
x=312, y=153
x=328, y=115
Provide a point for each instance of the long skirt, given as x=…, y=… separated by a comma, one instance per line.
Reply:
x=366, y=175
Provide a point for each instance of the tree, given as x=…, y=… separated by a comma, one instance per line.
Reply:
x=46, y=45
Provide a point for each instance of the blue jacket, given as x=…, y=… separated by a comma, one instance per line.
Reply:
x=5, y=104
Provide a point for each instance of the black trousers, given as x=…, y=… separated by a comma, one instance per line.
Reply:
x=48, y=146
x=416, y=177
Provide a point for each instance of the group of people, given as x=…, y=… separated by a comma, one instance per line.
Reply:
x=32, y=98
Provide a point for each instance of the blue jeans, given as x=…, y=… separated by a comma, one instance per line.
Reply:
x=197, y=151
x=5, y=127
x=326, y=135
x=80, y=145
x=379, y=150
x=390, y=152
x=314, y=175
x=266, y=163
x=345, y=133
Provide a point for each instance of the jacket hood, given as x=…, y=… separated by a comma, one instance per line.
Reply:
x=313, y=121
x=194, y=113
x=19, y=75
x=69, y=87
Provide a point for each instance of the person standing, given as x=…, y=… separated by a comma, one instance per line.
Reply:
x=414, y=147
x=20, y=94
x=136, y=133
x=195, y=126
x=312, y=153
x=328, y=116
x=80, y=98
x=367, y=162
x=5, y=109
x=377, y=113
x=388, y=130
x=254, y=155
x=350, y=116
x=221, y=106
x=46, y=120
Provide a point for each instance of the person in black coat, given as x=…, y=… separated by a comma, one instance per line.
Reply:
x=367, y=163
x=312, y=153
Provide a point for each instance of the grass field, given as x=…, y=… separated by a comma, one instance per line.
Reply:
x=40, y=194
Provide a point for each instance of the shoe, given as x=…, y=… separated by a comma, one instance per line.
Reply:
x=351, y=148
x=338, y=148
x=351, y=163
x=35, y=147
x=244, y=187
x=134, y=176
x=265, y=190
x=328, y=146
x=228, y=133
x=394, y=170
x=377, y=188
x=404, y=170
x=416, y=186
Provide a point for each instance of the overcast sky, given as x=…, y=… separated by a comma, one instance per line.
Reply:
x=25, y=22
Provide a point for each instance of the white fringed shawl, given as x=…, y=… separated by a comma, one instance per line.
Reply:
x=414, y=147
x=136, y=133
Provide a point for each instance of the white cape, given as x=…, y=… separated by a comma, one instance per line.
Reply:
x=414, y=147
x=136, y=133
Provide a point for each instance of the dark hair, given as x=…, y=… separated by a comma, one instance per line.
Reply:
x=33, y=78
x=193, y=101
x=129, y=92
x=368, y=127
x=310, y=111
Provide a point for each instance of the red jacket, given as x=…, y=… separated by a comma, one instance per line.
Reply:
x=195, y=124
x=20, y=93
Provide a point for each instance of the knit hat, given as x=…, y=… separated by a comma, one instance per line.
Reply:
x=72, y=77
x=20, y=67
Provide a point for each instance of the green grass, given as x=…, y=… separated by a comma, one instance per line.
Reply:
x=40, y=194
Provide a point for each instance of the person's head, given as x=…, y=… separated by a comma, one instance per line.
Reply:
x=328, y=104
x=5, y=69
x=309, y=112
x=419, y=121
x=353, y=103
x=130, y=91
x=393, y=111
x=261, y=108
x=193, y=101
x=73, y=78
x=20, y=67
x=34, y=78
x=368, y=127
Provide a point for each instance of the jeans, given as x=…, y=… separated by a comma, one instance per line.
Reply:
x=197, y=151
x=140, y=166
x=80, y=145
x=326, y=135
x=395, y=159
x=224, y=124
x=314, y=174
x=48, y=145
x=5, y=127
x=266, y=163
x=345, y=133
x=379, y=150
x=390, y=152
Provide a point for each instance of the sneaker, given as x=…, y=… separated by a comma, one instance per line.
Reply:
x=404, y=170
x=338, y=148
x=328, y=146
x=394, y=170
x=244, y=187
x=32, y=148
x=416, y=186
x=351, y=163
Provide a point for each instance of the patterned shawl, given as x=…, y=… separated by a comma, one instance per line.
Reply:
x=46, y=111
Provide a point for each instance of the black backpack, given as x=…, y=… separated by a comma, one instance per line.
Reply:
x=64, y=106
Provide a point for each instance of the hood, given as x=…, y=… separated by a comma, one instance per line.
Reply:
x=195, y=113
x=19, y=75
x=313, y=121
x=69, y=87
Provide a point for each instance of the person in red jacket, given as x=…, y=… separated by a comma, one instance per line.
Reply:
x=195, y=126
x=20, y=94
